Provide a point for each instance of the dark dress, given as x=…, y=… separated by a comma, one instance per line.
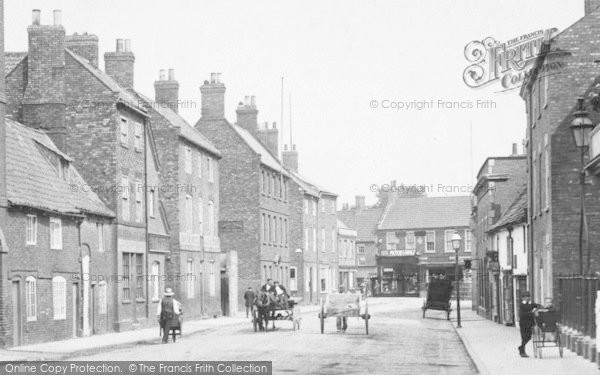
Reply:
x=168, y=318
x=526, y=321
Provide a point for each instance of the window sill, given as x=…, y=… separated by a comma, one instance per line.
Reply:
x=140, y=300
x=31, y=320
x=126, y=302
x=61, y=318
x=30, y=244
x=56, y=248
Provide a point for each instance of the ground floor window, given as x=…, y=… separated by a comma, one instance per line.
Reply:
x=59, y=297
x=102, y=300
x=293, y=281
x=31, y=298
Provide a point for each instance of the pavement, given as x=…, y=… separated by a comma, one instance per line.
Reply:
x=64, y=349
x=493, y=349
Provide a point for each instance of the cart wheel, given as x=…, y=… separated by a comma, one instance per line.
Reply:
x=322, y=316
x=367, y=316
x=254, y=320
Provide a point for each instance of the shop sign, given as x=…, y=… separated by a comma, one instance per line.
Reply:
x=398, y=253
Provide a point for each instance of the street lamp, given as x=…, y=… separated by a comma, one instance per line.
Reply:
x=456, y=240
x=581, y=126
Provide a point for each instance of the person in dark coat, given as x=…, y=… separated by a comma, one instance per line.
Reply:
x=526, y=320
x=268, y=287
x=249, y=297
x=168, y=312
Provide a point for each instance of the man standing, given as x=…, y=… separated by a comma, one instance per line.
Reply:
x=249, y=296
x=341, y=322
x=168, y=312
x=526, y=321
x=268, y=287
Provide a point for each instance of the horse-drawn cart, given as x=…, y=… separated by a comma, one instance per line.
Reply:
x=265, y=310
x=439, y=292
x=343, y=306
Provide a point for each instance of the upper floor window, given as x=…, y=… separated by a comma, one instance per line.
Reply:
x=138, y=136
x=448, y=243
x=200, y=164
x=100, y=231
x=188, y=214
x=211, y=219
x=188, y=160
x=151, y=199
x=314, y=208
x=125, y=198
x=124, y=130
x=306, y=239
x=410, y=240
x=138, y=202
x=361, y=249
x=155, y=281
x=322, y=239
x=201, y=216
x=468, y=240
x=31, y=235
x=430, y=241
x=391, y=240
x=333, y=240
x=322, y=204
x=55, y=233
x=211, y=169
x=265, y=182
x=190, y=279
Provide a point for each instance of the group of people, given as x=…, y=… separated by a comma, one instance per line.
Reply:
x=274, y=289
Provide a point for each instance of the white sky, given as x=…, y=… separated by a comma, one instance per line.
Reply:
x=336, y=57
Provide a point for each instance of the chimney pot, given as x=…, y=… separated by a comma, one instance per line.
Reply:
x=127, y=45
x=57, y=17
x=514, y=149
x=119, y=45
x=35, y=15
x=213, y=77
x=171, y=74
x=218, y=77
x=253, y=101
x=247, y=100
x=240, y=104
x=285, y=148
x=274, y=125
x=161, y=75
x=294, y=147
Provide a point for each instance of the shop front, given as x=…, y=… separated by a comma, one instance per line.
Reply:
x=398, y=273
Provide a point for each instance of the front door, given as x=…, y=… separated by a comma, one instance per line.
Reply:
x=85, y=267
x=17, y=313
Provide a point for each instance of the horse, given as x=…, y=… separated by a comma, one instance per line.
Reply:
x=265, y=304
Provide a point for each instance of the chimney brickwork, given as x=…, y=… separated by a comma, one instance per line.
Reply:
x=270, y=138
x=213, y=98
x=120, y=64
x=44, y=98
x=166, y=91
x=290, y=158
x=247, y=115
x=84, y=45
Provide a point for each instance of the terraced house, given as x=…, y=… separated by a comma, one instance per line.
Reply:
x=189, y=202
x=254, y=195
x=56, y=87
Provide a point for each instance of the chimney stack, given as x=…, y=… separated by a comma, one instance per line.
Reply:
x=44, y=97
x=360, y=202
x=270, y=138
x=213, y=98
x=247, y=115
x=290, y=158
x=515, y=151
x=84, y=45
x=119, y=64
x=591, y=6
x=166, y=91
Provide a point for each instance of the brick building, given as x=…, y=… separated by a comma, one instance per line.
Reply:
x=364, y=221
x=189, y=191
x=499, y=182
x=254, y=195
x=508, y=239
x=313, y=237
x=4, y=327
x=56, y=252
x=414, y=242
x=347, y=256
x=89, y=114
x=565, y=70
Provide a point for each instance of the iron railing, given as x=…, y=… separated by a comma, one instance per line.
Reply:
x=577, y=301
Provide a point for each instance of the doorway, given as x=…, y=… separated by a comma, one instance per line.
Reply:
x=17, y=314
x=85, y=269
x=75, y=308
x=224, y=293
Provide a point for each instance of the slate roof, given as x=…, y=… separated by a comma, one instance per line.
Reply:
x=33, y=179
x=265, y=155
x=516, y=213
x=185, y=129
x=307, y=186
x=344, y=230
x=364, y=222
x=427, y=212
x=12, y=59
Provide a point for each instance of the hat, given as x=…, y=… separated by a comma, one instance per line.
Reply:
x=169, y=292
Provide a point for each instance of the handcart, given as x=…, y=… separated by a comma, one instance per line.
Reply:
x=344, y=305
x=439, y=292
x=546, y=333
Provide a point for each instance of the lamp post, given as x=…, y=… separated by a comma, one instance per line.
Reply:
x=456, y=239
x=581, y=126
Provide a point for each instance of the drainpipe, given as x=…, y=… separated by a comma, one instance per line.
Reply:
x=318, y=250
x=530, y=267
x=146, y=286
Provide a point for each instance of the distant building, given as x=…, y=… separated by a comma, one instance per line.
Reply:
x=414, y=243
x=364, y=221
x=347, y=256
x=500, y=180
x=509, y=239
x=254, y=209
